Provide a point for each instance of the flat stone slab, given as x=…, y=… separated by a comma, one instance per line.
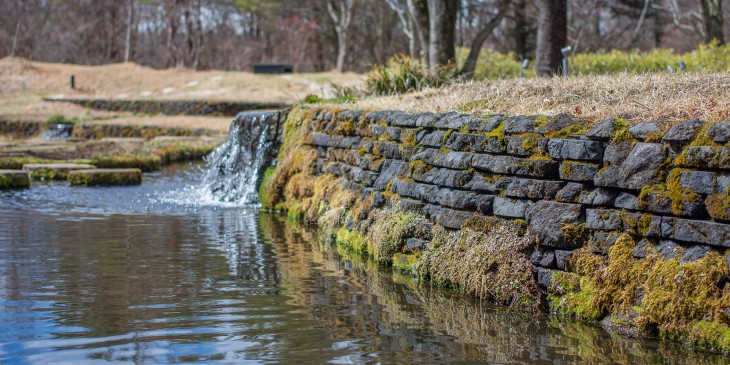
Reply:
x=53, y=171
x=105, y=177
x=14, y=179
x=124, y=139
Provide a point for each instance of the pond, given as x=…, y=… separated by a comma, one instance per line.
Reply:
x=149, y=274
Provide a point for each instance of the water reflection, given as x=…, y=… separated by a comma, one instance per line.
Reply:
x=111, y=281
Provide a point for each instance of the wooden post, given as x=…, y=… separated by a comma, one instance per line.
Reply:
x=72, y=82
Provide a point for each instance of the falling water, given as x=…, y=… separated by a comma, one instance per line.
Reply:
x=233, y=168
x=58, y=131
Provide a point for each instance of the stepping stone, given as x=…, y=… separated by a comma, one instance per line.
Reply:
x=53, y=171
x=124, y=139
x=105, y=177
x=14, y=179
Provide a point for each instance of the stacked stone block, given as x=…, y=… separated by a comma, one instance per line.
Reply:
x=569, y=184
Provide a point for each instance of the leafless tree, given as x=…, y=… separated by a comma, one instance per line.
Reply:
x=552, y=35
x=341, y=13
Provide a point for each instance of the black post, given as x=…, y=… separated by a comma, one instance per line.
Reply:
x=73, y=82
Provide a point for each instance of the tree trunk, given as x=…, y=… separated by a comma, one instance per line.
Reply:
x=341, y=14
x=442, y=31
x=418, y=10
x=171, y=18
x=552, y=35
x=484, y=33
x=712, y=20
x=130, y=24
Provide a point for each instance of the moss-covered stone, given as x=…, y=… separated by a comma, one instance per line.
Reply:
x=105, y=177
x=144, y=163
x=14, y=179
x=53, y=171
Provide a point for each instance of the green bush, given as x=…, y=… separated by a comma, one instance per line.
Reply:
x=705, y=58
x=59, y=119
x=403, y=74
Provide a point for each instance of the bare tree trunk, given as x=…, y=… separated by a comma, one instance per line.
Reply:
x=130, y=24
x=552, y=35
x=406, y=24
x=341, y=14
x=15, y=37
x=442, y=31
x=712, y=20
x=484, y=33
x=171, y=18
x=418, y=10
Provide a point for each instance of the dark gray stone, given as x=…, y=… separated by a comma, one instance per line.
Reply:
x=519, y=124
x=639, y=169
x=465, y=141
x=660, y=202
x=434, y=139
x=569, y=193
x=599, y=196
x=454, y=219
x=669, y=249
x=642, y=249
x=701, y=182
x=525, y=146
x=402, y=120
x=575, y=149
x=558, y=122
x=602, y=241
x=491, y=123
x=452, y=120
x=603, y=219
x=544, y=277
x=415, y=244
x=484, y=203
x=393, y=170
x=616, y=153
x=378, y=200
x=443, y=177
x=720, y=132
x=432, y=212
x=708, y=157
x=722, y=183
x=694, y=253
x=409, y=205
x=512, y=208
x=533, y=189
x=490, y=144
x=453, y=160
x=543, y=257
x=510, y=165
x=427, y=119
x=546, y=219
x=643, y=130
x=626, y=201
x=387, y=150
x=683, y=132
x=697, y=231
x=464, y=200
x=604, y=130
x=562, y=257
x=578, y=171
x=728, y=261
x=489, y=183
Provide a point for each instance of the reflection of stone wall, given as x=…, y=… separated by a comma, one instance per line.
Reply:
x=97, y=131
x=572, y=185
x=172, y=107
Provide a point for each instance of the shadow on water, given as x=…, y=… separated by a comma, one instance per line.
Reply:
x=122, y=274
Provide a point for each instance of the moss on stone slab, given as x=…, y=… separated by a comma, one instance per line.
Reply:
x=144, y=163
x=53, y=171
x=14, y=179
x=105, y=177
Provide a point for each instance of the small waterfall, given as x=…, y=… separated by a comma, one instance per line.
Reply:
x=58, y=131
x=234, y=168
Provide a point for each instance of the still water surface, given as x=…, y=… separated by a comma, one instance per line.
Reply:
x=147, y=275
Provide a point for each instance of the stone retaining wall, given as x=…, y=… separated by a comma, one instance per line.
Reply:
x=627, y=225
x=570, y=190
x=171, y=107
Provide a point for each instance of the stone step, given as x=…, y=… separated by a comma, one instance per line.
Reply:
x=53, y=171
x=105, y=177
x=14, y=179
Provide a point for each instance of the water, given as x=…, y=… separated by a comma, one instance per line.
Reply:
x=128, y=275
x=58, y=131
x=233, y=168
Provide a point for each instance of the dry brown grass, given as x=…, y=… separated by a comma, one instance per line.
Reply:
x=635, y=98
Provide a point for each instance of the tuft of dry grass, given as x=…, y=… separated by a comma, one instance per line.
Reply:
x=633, y=97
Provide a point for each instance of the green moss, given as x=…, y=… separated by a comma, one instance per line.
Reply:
x=447, y=134
x=122, y=177
x=352, y=240
x=405, y=262
x=144, y=163
x=622, y=131
x=264, y=199
x=11, y=181
x=718, y=206
x=497, y=134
